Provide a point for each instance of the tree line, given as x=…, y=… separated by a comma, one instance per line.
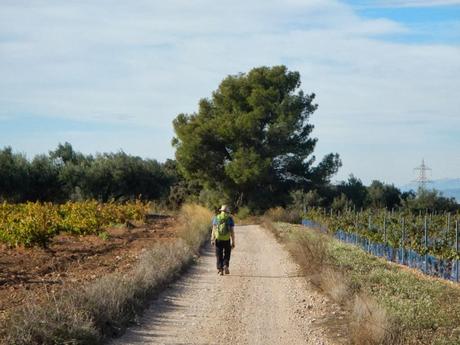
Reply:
x=353, y=194
x=64, y=174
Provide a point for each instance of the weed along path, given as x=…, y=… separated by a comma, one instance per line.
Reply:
x=262, y=301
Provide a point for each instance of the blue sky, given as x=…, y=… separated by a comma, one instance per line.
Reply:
x=111, y=75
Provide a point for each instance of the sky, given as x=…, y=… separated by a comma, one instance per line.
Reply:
x=110, y=75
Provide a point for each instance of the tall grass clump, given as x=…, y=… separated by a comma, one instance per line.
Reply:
x=312, y=256
x=195, y=222
x=104, y=308
x=369, y=323
x=280, y=214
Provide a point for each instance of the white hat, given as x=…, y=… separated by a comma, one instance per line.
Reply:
x=224, y=208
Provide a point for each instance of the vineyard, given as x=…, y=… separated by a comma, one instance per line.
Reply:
x=434, y=234
x=33, y=223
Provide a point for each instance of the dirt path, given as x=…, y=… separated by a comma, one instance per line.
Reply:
x=262, y=301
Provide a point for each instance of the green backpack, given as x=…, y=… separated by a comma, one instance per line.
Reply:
x=222, y=228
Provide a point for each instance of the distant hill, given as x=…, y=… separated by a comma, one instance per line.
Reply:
x=450, y=187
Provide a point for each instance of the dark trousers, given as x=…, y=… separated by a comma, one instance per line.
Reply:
x=223, y=251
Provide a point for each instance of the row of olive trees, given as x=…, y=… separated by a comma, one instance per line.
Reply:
x=65, y=174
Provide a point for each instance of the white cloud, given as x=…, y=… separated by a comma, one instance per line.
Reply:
x=416, y=3
x=145, y=62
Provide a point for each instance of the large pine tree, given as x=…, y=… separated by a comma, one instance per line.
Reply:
x=252, y=139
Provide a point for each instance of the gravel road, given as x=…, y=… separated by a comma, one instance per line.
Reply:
x=262, y=301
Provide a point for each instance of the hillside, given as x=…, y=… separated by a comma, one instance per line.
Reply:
x=450, y=187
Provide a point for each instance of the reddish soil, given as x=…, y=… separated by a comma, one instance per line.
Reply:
x=71, y=260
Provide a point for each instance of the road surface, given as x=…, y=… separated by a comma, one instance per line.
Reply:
x=262, y=301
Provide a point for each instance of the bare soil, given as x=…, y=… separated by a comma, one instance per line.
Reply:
x=71, y=260
x=263, y=300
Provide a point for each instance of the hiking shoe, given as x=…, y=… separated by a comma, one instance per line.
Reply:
x=220, y=272
x=227, y=271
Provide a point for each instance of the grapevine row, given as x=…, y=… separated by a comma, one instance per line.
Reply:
x=435, y=234
x=36, y=223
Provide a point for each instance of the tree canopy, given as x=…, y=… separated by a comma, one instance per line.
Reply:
x=354, y=190
x=430, y=201
x=65, y=174
x=251, y=140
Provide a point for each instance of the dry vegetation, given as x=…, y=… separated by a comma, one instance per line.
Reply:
x=367, y=322
x=387, y=304
x=105, y=307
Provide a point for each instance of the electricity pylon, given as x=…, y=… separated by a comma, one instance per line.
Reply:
x=422, y=178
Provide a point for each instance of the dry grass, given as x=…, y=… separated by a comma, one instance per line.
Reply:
x=57, y=321
x=368, y=322
x=371, y=324
x=106, y=307
x=268, y=224
x=312, y=257
x=114, y=301
x=280, y=214
x=336, y=285
x=195, y=223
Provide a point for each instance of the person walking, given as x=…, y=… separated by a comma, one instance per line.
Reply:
x=223, y=238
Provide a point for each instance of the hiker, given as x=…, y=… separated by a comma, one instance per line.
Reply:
x=223, y=238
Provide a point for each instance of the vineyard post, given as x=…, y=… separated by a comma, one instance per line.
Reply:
x=448, y=229
x=356, y=222
x=385, y=228
x=456, y=248
x=368, y=228
x=426, y=244
x=403, y=236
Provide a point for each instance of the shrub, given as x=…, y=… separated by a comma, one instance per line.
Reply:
x=243, y=212
x=279, y=214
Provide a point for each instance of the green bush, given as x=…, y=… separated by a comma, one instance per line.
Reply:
x=280, y=214
x=243, y=212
